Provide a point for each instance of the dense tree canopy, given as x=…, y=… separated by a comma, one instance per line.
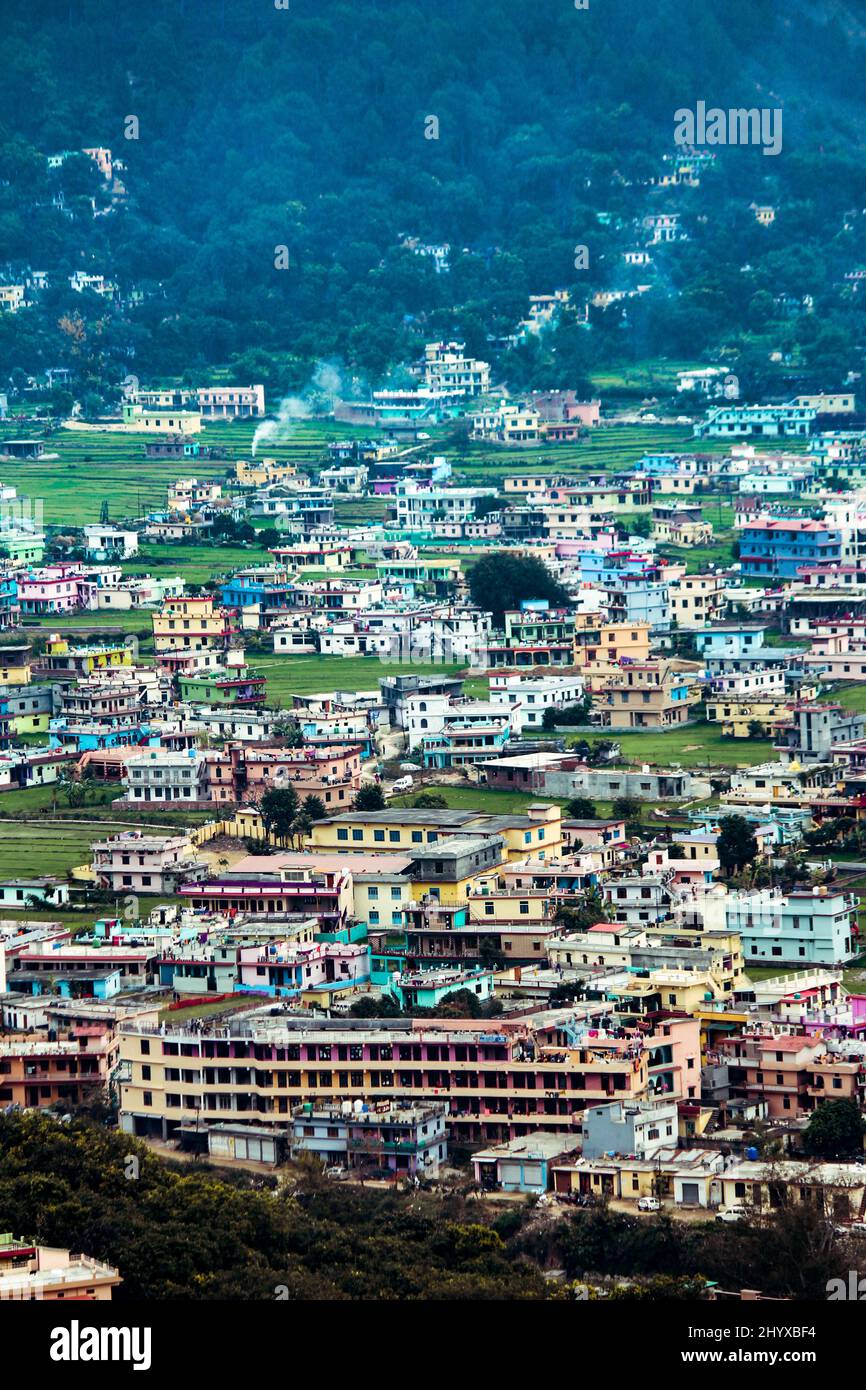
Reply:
x=736, y=843
x=181, y=1232
x=835, y=1130
x=303, y=128
x=499, y=583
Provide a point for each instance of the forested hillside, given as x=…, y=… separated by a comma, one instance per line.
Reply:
x=306, y=128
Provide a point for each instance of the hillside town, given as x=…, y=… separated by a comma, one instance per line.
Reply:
x=432, y=672
x=455, y=919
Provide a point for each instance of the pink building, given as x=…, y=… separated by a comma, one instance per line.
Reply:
x=284, y=968
x=55, y=589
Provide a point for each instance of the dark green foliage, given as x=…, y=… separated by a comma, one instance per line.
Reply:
x=577, y=713
x=184, y=1232
x=580, y=808
x=279, y=807
x=736, y=844
x=789, y=1251
x=499, y=583
x=626, y=808
x=370, y=798
x=304, y=128
x=835, y=1130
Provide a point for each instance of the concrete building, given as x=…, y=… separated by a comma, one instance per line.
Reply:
x=813, y=927
x=48, y=1273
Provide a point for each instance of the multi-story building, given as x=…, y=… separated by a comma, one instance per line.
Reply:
x=740, y=421
x=191, y=624
x=231, y=683
x=36, y=1073
x=674, y=524
x=806, y=927
x=497, y=1079
x=447, y=370
x=47, y=1273
x=135, y=863
x=814, y=729
x=651, y=695
x=789, y=1074
x=776, y=547
x=406, y=1139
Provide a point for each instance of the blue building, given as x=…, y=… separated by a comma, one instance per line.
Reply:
x=775, y=549
x=254, y=590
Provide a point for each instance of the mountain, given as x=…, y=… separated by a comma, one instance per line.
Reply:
x=268, y=135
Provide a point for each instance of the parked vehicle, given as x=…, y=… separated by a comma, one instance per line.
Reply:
x=403, y=784
x=337, y=1172
x=854, y=1228
x=731, y=1214
x=649, y=1204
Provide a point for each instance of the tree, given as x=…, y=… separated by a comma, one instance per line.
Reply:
x=375, y=1006
x=756, y=729
x=300, y=828
x=581, y=918
x=370, y=798
x=580, y=808
x=431, y=801
x=500, y=583
x=576, y=713
x=279, y=807
x=314, y=808
x=736, y=844
x=835, y=1130
x=72, y=787
x=626, y=808
x=287, y=728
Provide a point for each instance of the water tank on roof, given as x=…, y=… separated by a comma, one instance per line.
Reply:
x=751, y=1153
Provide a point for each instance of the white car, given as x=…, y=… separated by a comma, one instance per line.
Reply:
x=731, y=1214
x=403, y=784
x=649, y=1204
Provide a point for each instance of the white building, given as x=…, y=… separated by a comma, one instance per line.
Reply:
x=108, y=543
x=528, y=698
x=448, y=370
x=807, y=927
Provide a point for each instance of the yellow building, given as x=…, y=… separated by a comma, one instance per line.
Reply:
x=599, y=644
x=15, y=663
x=696, y=599
x=60, y=656
x=190, y=624
x=409, y=830
x=686, y=991
x=258, y=472
x=651, y=695
x=736, y=716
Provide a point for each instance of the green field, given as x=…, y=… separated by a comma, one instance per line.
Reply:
x=95, y=466
x=306, y=675
x=851, y=695
x=27, y=849
x=39, y=803
x=698, y=746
